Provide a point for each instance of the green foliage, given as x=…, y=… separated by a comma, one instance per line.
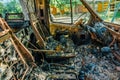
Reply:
x=11, y=7
x=1, y=8
x=64, y=3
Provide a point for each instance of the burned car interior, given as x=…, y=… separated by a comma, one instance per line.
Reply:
x=58, y=40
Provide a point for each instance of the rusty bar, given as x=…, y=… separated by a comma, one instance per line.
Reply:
x=116, y=55
x=115, y=34
x=93, y=13
x=25, y=73
x=113, y=41
x=109, y=24
x=23, y=52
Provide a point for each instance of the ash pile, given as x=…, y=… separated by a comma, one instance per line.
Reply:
x=97, y=57
x=91, y=54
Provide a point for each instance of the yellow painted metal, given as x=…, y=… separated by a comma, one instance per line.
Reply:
x=62, y=27
x=41, y=4
x=72, y=28
x=106, y=5
x=102, y=6
x=53, y=10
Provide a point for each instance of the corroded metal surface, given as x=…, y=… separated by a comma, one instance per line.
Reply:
x=18, y=61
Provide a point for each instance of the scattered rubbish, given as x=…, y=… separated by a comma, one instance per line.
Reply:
x=118, y=68
x=89, y=53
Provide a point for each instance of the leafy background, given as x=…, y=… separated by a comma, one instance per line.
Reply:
x=10, y=6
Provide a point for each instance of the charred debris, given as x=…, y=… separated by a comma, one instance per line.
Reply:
x=92, y=53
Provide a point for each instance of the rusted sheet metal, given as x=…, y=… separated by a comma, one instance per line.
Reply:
x=40, y=40
x=23, y=52
x=4, y=35
x=35, y=24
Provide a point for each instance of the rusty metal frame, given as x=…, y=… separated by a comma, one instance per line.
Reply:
x=22, y=51
x=20, y=48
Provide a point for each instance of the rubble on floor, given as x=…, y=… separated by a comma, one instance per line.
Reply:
x=91, y=61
